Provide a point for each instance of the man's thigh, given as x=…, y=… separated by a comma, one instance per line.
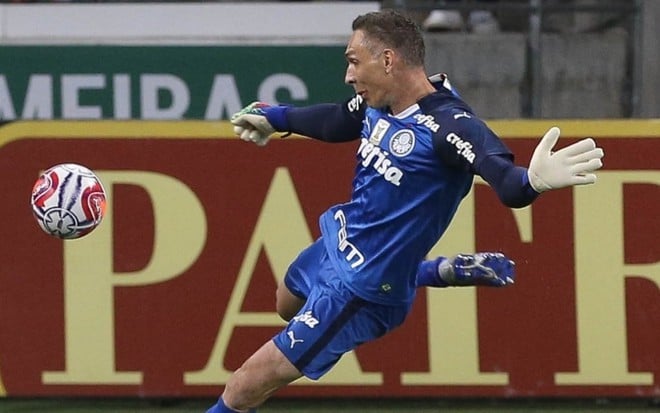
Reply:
x=302, y=275
x=332, y=322
x=305, y=271
x=287, y=303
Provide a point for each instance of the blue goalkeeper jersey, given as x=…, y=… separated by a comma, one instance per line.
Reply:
x=412, y=171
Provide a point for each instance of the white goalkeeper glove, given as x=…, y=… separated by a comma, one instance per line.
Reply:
x=251, y=125
x=572, y=165
x=249, y=134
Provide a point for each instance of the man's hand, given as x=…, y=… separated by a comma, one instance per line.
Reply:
x=572, y=165
x=249, y=134
x=251, y=125
x=491, y=269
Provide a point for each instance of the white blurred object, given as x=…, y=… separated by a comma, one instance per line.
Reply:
x=443, y=20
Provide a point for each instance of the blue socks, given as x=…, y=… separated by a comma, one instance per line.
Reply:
x=220, y=407
x=427, y=274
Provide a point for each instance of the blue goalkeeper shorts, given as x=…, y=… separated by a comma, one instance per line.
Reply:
x=333, y=320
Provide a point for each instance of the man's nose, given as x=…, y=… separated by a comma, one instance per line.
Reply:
x=349, y=79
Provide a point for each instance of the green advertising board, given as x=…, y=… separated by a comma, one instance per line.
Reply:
x=163, y=82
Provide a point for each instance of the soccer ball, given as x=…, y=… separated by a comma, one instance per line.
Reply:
x=68, y=201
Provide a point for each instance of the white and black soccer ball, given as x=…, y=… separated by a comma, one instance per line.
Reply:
x=68, y=201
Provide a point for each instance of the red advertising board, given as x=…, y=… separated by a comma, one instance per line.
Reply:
x=176, y=287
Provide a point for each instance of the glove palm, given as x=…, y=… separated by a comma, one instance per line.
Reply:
x=572, y=165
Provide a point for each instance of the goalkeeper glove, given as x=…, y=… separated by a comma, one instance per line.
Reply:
x=572, y=165
x=492, y=269
x=251, y=124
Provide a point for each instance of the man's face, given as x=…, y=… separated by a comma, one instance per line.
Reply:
x=366, y=70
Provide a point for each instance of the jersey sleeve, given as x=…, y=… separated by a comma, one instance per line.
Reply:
x=327, y=122
x=467, y=143
x=464, y=141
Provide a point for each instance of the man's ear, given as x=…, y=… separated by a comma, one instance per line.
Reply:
x=388, y=60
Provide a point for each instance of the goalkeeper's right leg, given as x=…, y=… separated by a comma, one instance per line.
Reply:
x=287, y=303
x=491, y=269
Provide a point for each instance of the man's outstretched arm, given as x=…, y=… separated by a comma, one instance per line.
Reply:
x=328, y=122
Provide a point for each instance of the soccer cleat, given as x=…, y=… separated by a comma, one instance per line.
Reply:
x=491, y=269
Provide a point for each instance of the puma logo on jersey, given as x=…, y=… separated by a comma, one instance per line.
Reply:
x=464, y=148
x=293, y=339
x=307, y=318
x=462, y=115
x=376, y=157
x=428, y=121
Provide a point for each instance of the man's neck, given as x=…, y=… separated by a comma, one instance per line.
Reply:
x=411, y=87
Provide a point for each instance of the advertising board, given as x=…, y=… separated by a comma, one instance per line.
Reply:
x=176, y=287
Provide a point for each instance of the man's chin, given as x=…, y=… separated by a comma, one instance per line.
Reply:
x=375, y=105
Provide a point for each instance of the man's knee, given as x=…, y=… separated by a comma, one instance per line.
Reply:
x=285, y=313
x=287, y=304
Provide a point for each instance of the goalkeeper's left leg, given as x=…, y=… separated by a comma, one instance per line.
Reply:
x=221, y=407
x=491, y=269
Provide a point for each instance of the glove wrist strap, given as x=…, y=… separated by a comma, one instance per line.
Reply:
x=276, y=116
x=527, y=186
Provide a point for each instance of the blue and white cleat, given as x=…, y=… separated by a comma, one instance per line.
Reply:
x=492, y=269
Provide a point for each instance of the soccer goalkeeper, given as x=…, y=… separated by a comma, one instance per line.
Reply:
x=419, y=148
